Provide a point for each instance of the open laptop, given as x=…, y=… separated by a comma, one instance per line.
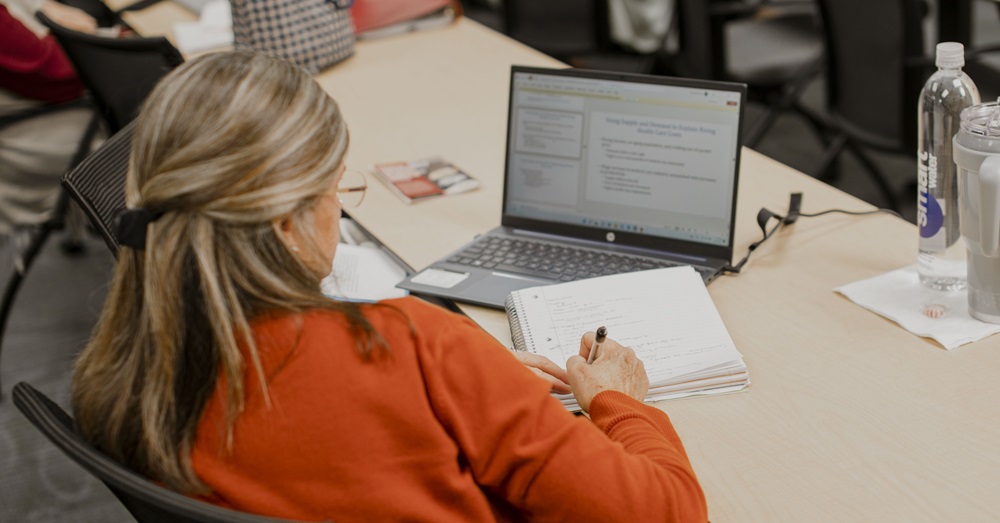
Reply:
x=605, y=173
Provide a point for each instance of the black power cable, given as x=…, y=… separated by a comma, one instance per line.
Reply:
x=794, y=213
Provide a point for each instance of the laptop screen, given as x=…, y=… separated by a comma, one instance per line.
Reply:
x=640, y=156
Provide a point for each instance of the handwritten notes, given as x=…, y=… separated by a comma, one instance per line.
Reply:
x=665, y=315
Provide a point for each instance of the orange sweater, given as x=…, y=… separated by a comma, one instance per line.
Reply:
x=445, y=426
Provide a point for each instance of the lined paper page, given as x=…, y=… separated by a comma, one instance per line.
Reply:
x=665, y=315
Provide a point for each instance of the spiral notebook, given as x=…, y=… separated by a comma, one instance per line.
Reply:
x=665, y=315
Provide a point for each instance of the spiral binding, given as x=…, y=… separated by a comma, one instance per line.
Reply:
x=516, y=333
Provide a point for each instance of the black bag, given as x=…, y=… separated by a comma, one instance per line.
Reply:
x=313, y=34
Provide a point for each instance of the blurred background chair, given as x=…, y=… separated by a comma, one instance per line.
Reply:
x=773, y=46
x=875, y=68
x=960, y=21
x=35, y=235
x=118, y=72
x=876, y=65
x=573, y=31
x=104, y=15
x=145, y=500
x=97, y=186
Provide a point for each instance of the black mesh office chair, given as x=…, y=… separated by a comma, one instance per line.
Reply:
x=97, y=185
x=119, y=72
x=772, y=46
x=145, y=500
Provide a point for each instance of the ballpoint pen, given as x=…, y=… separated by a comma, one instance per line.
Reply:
x=598, y=341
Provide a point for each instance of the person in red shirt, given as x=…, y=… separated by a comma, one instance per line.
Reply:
x=220, y=370
x=34, y=72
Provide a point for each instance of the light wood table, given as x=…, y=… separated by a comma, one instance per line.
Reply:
x=848, y=418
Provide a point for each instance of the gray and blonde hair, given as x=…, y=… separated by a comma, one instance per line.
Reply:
x=224, y=146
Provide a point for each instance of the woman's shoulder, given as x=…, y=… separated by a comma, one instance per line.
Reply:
x=399, y=321
x=371, y=310
x=385, y=310
x=409, y=313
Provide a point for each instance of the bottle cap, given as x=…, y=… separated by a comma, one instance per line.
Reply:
x=950, y=55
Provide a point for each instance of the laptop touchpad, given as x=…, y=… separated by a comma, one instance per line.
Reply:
x=496, y=288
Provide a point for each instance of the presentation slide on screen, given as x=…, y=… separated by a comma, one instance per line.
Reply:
x=658, y=163
x=545, y=181
x=552, y=133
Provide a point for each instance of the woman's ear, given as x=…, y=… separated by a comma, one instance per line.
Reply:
x=283, y=228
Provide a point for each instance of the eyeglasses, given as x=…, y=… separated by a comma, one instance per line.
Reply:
x=351, y=189
x=342, y=4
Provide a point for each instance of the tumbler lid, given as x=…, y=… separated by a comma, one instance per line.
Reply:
x=982, y=119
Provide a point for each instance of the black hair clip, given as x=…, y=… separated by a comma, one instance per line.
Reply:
x=131, y=229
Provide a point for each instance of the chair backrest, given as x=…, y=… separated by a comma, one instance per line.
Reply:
x=145, y=500
x=705, y=26
x=97, y=185
x=702, y=41
x=874, y=71
x=119, y=72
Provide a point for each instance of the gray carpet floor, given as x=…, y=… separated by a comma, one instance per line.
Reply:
x=51, y=320
x=62, y=296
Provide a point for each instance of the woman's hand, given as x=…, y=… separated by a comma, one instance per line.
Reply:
x=547, y=370
x=616, y=368
x=69, y=17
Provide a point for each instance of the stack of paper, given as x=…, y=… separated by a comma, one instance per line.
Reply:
x=363, y=273
x=665, y=315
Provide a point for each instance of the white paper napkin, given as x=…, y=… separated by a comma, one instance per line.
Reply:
x=898, y=295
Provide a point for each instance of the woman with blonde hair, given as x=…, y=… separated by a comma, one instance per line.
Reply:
x=220, y=370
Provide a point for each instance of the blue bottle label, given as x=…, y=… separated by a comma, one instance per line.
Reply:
x=932, y=216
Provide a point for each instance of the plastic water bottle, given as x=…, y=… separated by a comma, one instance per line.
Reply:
x=941, y=258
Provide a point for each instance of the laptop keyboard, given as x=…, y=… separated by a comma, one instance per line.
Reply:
x=555, y=262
